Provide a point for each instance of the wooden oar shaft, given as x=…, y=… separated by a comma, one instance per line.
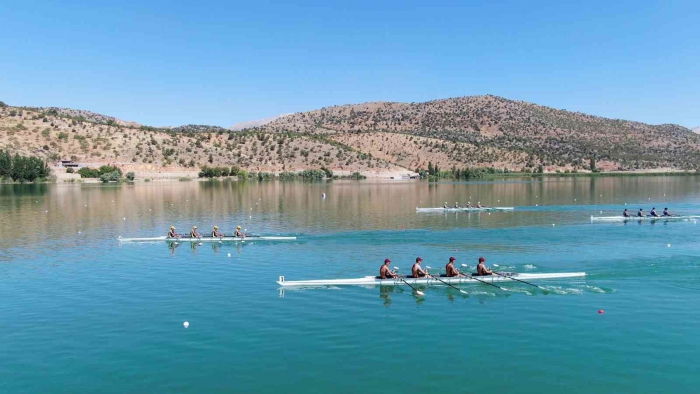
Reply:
x=510, y=277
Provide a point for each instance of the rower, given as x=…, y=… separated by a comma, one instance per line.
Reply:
x=239, y=233
x=445, y=205
x=416, y=270
x=385, y=272
x=172, y=233
x=481, y=269
x=469, y=204
x=640, y=213
x=194, y=233
x=456, y=204
x=653, y=212
x=216, y=233
x=666, y=213
x=450, y=270
x=478, y=204
x=626, y=213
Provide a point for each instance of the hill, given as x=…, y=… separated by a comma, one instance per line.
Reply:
x=516, y=129
x=52, y=136
x=696, y=130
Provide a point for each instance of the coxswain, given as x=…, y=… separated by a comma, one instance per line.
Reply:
x=194, y=233
x=239, y=233
x=640, y=213
x=172, y=233
x=653, y=212
x=416, y=270
x=625, y=213
x=216, y=233
x=450, y=270
x=666, y=212
x=385, y=272
x=481, y=269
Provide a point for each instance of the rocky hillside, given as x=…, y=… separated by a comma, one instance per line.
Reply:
x=555, y=138
x=52, y=136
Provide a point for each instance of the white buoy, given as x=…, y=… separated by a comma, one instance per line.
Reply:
x=537, y=205
x=124, y=218
x=47, y=211
x=552, y=224
x=668, y=245
x=229, y=255
x=186, y=324
x=574, y=199
x=86, y=205
x=78, y=232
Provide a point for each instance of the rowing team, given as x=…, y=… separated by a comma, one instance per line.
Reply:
x=418, y=272
x=469, y=205
x=653, y=213
x=215, y=233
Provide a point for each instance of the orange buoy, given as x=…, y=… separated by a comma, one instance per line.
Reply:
x=601, y=311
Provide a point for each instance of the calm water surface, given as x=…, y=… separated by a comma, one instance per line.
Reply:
x=82, y=313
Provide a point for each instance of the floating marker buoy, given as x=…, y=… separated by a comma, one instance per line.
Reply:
x=186, y=324
x=552, y=224
x=47, y=211
x=124, y=218
x=86, y=205
x=536, y=205
x=601, y=311
x=574, y=199
x=229, y=255
x=668, y=245
x=78, y=232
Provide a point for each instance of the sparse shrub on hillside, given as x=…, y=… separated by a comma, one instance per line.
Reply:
x=70, y=170
x=130, y=176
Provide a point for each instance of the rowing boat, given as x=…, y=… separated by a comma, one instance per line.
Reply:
x=464, y=209
x=652, y=218
x=373, y=280
x=206, y=239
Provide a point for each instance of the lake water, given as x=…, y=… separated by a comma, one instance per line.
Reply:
x=83, y=314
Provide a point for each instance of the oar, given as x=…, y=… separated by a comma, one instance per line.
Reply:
x=447, y=284
x=527, y=283
x=407, y=284
x=482, y=281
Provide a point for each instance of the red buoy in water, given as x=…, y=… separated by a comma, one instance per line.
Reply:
x=601, y=311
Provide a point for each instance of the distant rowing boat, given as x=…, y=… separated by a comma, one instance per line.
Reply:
x=652, y=218
x=373, y=280
x=464, y=209
x=207, y=239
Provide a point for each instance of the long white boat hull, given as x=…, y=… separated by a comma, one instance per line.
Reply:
x=464, y=209
x=624, y=219
x=206, y=239
x=373, y=280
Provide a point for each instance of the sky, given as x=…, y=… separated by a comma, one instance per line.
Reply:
x=167, y=63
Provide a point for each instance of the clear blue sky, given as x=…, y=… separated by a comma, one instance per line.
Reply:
x=221, y=62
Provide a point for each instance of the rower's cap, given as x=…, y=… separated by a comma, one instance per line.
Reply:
x=238, y=227
x=653, y=207
x=452, y=259
x=216, y=226
x=172, y=227
x=418, y=259
x=194, y=226
x=665, y=209
x=481, y=259
x=387, y=261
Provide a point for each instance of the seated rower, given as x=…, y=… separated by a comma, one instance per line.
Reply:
x=172, y=233
x=625, y=213
x=216, y=233
x=416, y=270
x=478, y=204
x=385, y=272
x=450, y=270
x=640, y=213
x=653, y=212
x=469, y=204
x=456, y=204
x=481, y=269
x=445, y=205
x=194, y=233
x=666, y=212
x=239, y=233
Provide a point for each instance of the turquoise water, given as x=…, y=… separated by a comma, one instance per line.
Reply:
x=82, y=313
